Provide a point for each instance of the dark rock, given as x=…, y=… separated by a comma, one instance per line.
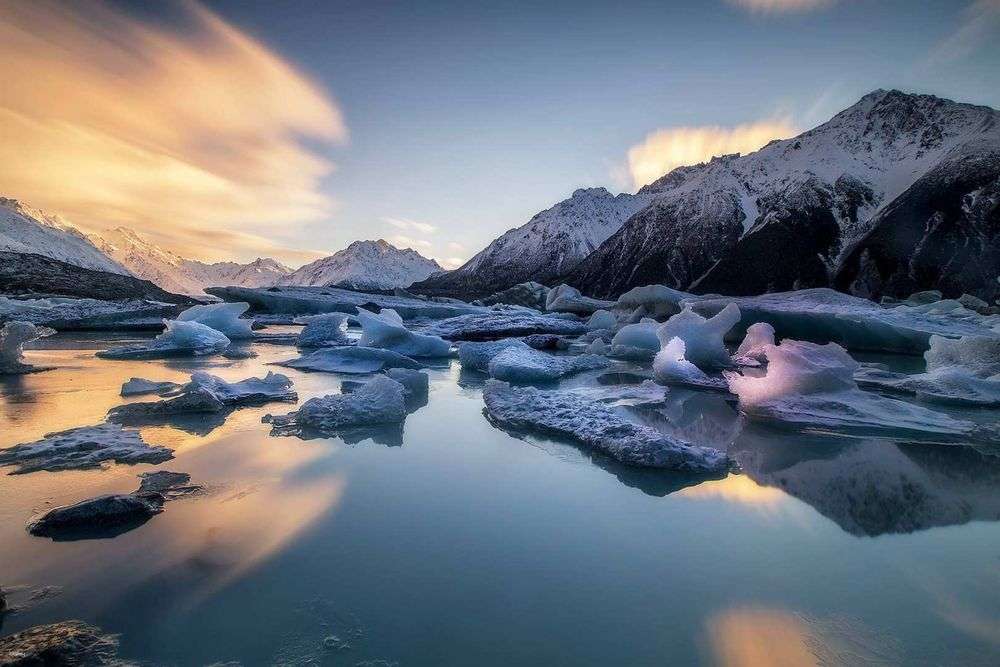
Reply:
x=68, y=643
x=97, y=518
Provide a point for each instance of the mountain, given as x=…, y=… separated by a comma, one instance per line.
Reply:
x=25, y=230
x=365, y=265
x=895, y=194
x=177, y=274
x=551, y=244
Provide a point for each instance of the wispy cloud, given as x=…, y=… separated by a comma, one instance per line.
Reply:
x=458, y=247
x=404, y=241
x=411, y=225
x=980, y=22
x=194, y=136
x=781, y=6
x=451, y=262
x=673, y=147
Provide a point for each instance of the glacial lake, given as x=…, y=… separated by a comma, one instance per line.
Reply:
x=455, y=543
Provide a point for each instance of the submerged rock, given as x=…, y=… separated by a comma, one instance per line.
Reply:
x=66, y=643
x=101, y=517
x=81, y=448
x=598, y=426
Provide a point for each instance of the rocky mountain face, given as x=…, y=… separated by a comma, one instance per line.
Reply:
x=892, y=195
x=549, y=245
x=365, y=265
x=25, y=230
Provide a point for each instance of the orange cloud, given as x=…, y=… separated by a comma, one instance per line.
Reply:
x=669, y=148
x=195, y=136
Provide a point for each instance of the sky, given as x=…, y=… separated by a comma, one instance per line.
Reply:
x=231, y=129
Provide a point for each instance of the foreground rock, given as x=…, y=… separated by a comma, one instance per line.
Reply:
x=82, y=448
x=505, y=323
x=595, y=425
x=13, y=336
x=66, y=643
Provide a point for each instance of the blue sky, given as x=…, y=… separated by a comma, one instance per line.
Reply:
x=469, y=117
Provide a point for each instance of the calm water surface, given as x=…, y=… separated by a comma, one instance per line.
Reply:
x=454, y=543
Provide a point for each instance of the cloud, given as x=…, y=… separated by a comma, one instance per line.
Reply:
x=412, y=225
x=669, y=148
x=403, y=241
x=455, y=246
x=452, y=262
x=980, y=22
x=781, y=6
x=198, y=136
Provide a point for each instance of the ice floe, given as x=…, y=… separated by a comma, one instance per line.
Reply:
x=637, y=336
x=63, y=313
x=566, y=299
x=671, y=367
x=142, y=386
x=381, y=400
x=13, y=336
x=325, y=330
x=596, y=425
x=350, y=359
x=223, y=317
x=602, y=319
x=476, y=356
x=654, y=301
x=516, y=364
x=506, y=323
x=704, y=339
x=812, y=385
x=81, y=448
x=179, y=339
x=386, y=330
x=753, y=349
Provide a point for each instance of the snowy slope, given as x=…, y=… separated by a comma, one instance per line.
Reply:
x=177, y=274
x=25, y=230
x=550, y=244
x=786, y=216
x=366, y=265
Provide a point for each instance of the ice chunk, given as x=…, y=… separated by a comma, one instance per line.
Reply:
x=13, y=336
x=813, y=385
x=180, y=338
x=671, y=367
x=350, y=359
x=477, y=356
x=703, y=338
x=597, y=346
x=753, y=349
x=655, y=301
x=416, y=385
x=979, y=354
x=324, y=330
x=81, y=448
x=385, y=330
x=602, y=319
x=641, y=336
x=381, y=400
x=517, y=364
x=141, y=386
x=223, y=317
x=566, y=299
x=529, y=294
x=596, y=425
x=506, y=323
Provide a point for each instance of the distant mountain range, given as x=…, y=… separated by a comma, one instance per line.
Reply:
x=895, y=194
x=365, y=265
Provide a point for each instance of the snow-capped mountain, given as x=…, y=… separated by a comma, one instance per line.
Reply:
x=366, y=265
x=25, y=230
x=551, y=244
x=177, y=274
x=802, y=212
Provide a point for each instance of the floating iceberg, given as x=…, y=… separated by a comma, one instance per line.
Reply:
x=381, y=400
x=350, y=359
x=597, y=346
x=385, y=330
x=703, y=338
x=506, y=323
x=671, y=367
x=476, y=356
x=516, y=364
x=529, y=294
x=566, y=299
x=655, y=301
x=813, y=385
x=180, y=338
x=13, y=336
x=602, y=319
x=324, y=330
x=142, y=386
x=959, y=371
x=208, y=393
x=595, y=425
x=753, y=350
x=641, y=335
x=223, y=317
x=81, y=448
x=416, y=386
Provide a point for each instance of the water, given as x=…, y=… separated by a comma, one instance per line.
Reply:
x=467, y=546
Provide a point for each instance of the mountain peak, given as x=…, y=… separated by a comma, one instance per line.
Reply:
x=366, y=264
